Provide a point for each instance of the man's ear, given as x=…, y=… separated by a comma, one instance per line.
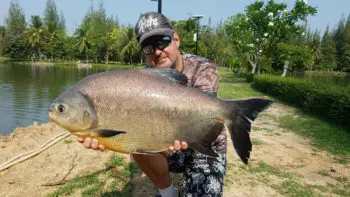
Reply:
x=177, y=40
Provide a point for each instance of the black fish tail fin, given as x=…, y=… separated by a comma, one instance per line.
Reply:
x=242, y=112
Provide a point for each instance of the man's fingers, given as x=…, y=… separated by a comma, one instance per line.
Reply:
x=87, y=143
x=177, y=145
x=184, y=145
x=81, y=140
x=101, y=147
x=94, y=144
x=171, y=148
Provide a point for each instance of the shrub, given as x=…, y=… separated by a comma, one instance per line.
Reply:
x=249, y=77
x=327, y=101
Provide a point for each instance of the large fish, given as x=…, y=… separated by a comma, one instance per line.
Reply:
x=144, y=111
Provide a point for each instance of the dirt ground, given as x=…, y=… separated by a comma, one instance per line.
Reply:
x=282, y=163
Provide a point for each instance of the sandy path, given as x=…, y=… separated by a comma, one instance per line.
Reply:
x=277, y=148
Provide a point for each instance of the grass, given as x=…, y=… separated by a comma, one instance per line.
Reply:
x=103, y=182
x=287, y=186
x=323, y=135
x=232, y=87
x=257, y=142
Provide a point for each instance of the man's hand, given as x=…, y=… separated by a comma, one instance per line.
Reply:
x=178, y=146
x=93, y=143
x=88, y=143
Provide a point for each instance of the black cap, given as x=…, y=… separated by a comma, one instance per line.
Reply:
x=152, y=24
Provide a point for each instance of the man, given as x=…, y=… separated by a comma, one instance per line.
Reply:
x=203, y=176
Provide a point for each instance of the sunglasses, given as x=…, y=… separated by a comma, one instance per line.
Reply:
x=157, y=42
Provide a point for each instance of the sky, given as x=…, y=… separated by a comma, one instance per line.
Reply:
x=329, y=11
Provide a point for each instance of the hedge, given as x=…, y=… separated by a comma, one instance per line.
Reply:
x=328, y=101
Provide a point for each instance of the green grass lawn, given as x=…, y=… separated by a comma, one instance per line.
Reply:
x=232, y=87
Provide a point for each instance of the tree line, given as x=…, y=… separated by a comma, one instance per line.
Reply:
x=265, y=37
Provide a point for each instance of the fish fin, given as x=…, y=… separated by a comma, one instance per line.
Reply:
x=171, y=74
x=204, y=149
x=204, y=146
x=107, y=133
x=240, y=125
x=145, y=153
x=252, y=107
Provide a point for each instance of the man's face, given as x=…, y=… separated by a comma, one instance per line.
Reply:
x=162, y=51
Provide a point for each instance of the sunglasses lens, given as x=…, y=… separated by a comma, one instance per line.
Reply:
x=159, y=43
x=148, y=49
x=164, y=42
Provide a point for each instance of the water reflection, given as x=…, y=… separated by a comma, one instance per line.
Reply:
x=27, y=90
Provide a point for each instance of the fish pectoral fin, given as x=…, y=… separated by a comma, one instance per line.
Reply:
x=144, y=153
x=204, y=149
x=107, y=133
x=205, y=145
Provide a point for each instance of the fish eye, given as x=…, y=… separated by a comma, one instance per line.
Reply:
x=60, y=108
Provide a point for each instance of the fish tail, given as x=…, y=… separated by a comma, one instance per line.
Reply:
x=243, y=112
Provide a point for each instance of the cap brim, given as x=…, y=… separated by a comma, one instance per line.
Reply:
x=156, y=32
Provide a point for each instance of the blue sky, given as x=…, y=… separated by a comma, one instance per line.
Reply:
x=329, y=12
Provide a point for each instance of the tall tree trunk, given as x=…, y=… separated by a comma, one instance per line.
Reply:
x=253, y=64
x=39, y=52
x=107, y=57
x=240, y=69
x=285, y=68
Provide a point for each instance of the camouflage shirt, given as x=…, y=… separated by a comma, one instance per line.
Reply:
x=202, y=73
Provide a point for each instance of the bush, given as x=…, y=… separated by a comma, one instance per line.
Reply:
x=328, y=101
x=249, y=77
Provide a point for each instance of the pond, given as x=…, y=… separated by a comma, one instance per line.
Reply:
x=27, y=90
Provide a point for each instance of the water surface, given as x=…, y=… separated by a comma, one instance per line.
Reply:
x=27, y=90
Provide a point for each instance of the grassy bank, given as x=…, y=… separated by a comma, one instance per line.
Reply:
x=324, y=135
x=114, y=180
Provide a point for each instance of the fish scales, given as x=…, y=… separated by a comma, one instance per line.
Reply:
x=143, y=111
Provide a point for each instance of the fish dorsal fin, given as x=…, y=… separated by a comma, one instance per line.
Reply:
x=171, y=74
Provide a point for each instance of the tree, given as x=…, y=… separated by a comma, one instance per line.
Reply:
x=83, y=43
x=16, y=45
x=97, y=27
x=346, y=55
x=295, y=57
x=3, y=38
x=328, y=60
x=214, y=45
x=340, y=43
x=16, y=23
x=36, y=34
x=51, y=18
x=55, y=27
x=264, y=26
x=186, y=30
x=128, y=44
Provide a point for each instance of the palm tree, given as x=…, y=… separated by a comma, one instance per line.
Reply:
x=128, y=44
x=83, y=43
x=36, y=34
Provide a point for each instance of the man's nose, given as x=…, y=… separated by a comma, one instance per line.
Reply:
x=157, y=52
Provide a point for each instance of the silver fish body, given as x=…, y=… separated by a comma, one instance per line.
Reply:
x=144, y=111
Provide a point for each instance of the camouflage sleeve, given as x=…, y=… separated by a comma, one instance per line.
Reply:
x=207, y=77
